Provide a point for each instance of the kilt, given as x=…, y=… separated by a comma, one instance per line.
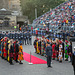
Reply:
x=10, y=55
x=34, y=46
x=39, y=48
x=14, y=56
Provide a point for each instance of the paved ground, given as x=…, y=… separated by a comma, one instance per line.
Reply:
x=40, y=69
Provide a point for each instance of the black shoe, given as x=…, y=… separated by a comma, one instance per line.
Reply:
x=53, y=59
x=57, y=59
x=60, y=61
x=20, y=63
x=66, y=59
x=2, y=57
x=11, y=64
x=16, y=61
x=37, y=53
x=50, y=66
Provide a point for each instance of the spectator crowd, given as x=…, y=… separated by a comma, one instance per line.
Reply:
x=62, y=15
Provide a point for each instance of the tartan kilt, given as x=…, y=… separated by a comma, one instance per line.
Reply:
x=14, y=56
x=10, y=55
x=39, y=48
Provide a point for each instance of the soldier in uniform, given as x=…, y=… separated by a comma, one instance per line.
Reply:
x=13, y=35
x=21, y=34
x=30, y=38
x=6, y=34
x=19, y=37
x=16, y=35
x=10, y=35
x=25, y=36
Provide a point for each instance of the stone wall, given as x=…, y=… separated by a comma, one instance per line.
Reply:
x=4, y=4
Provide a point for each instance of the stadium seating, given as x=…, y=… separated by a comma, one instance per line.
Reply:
x=62, y=15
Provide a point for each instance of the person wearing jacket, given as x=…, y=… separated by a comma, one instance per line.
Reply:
x=73, y=60
x=49, y=54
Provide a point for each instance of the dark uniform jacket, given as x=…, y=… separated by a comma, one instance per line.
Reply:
x=25, y=36
x=49, y=51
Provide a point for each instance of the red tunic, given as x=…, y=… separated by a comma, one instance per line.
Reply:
x=54, y=52
x=4, y=50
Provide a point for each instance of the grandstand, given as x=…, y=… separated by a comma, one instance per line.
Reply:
x=62, y=15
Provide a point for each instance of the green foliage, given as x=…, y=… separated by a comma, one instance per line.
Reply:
x=43, y=6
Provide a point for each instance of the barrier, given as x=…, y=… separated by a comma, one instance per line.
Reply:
x=30, y=59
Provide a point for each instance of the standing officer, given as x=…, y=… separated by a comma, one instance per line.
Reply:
x=49, y=54
x=25, y=37
x=30, y=38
